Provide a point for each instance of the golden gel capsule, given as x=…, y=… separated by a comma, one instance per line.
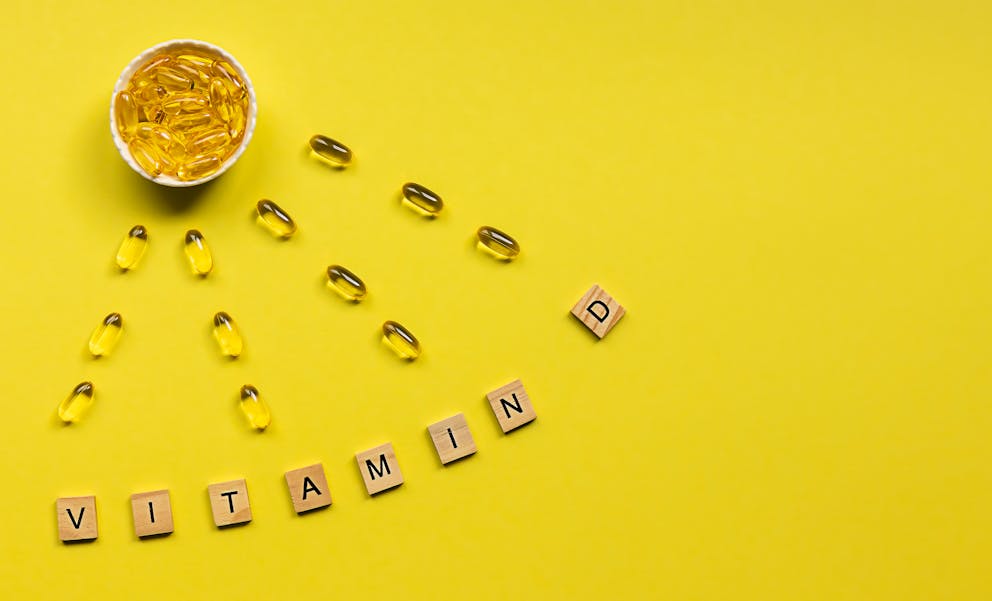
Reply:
x=346, y=283
x=421, y=199
x=401, y=340
x=76, y=404
x=273, y=217
x=164, y=140
x=105, y=336
x=198, y=253
x=236, y=123
x=331, y=151
x=220, y=99
x=500, y=244
x=255, y=408
x=172, y=79
x=188, y=121
x=201, y=166
x=186, y=102
x=132, y=248
x=126, y=112
x=207, y=140
x=226, y=73
x=227, y=335
x=145, y=156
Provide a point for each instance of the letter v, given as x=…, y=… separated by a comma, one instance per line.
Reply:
x=76, y=523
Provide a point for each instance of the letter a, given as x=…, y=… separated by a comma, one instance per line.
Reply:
x=309, y=486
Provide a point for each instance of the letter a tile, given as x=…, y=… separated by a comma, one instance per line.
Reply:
x=598, y=311
x=308, y=488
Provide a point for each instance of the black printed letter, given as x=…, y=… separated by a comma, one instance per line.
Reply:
x=230, y=498
x=606, y=311
x=309, y=486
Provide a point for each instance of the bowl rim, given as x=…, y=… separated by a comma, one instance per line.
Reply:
x=125, y=79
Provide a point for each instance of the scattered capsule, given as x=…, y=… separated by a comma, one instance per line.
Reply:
x=500, y=244
x=401, y=340
x=198, y=253
x=273, y=217
x=200, y=167
x=346, y=283
x=105, y=336
x=331, y=151
x=132, y=248
x=125, y=112
x=254, y=407
x=421, y=199
x=227, y=335
x=76, y=404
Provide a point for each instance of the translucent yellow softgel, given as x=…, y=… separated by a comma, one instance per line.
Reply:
x=182, y=114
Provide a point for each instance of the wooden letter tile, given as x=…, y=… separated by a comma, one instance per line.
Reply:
x=152, y=513
x=229, y=502
x=379, y=468
x=452, y=438
x=511, y=406
x=598, y=311
x=76, y=517
x=308, y=488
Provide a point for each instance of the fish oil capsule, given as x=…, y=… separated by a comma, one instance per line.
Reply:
x=147, y=70
x=76, y=404
x=346, y=283
x=220, y=99
x=500, y=244
x=331, y=151
x=421, y=199
x=145, y=156
x=161, y=138
x=401, y=340
x=236, y=123
x=199, y=167
x=132, y=248
x=150, y=93
x=226, y=73
x=126, y=112
x=275, y=219
x=172, y=79
x=207, y=140
x=254, y=407
x=187, y=102
x=105, y=336
x=227, y=335
x=199, y=77
x=186, y=121
x=198, y=253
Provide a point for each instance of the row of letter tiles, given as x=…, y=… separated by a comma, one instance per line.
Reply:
x=307, y=485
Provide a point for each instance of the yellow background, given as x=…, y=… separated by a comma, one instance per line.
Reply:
x=791, y=200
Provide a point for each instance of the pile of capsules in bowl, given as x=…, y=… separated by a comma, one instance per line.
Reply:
x=182, y=114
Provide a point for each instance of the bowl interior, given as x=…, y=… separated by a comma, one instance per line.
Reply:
x=170, y=46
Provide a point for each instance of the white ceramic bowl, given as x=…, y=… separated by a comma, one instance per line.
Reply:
x=124, y=80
